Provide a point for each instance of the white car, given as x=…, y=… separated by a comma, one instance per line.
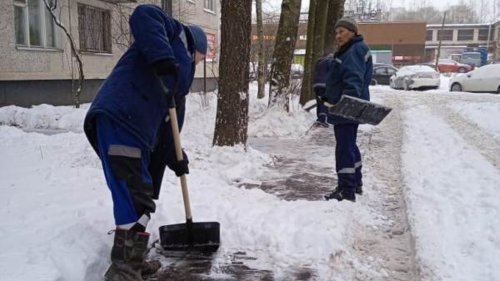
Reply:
x=415, y=77
x=297, y=71
x=485, y=79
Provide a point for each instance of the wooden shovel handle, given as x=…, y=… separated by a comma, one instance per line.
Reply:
x=178, y=152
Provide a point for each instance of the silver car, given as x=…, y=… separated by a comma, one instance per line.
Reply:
x=485, y=79
x=411, y=77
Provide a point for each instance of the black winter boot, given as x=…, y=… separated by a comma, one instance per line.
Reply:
x=341, y=195
x=359, y=190
x=127, y=256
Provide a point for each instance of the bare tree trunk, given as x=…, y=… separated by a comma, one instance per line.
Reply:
x=283, y=53
x=335, y=12
x=52, y=6
x=231, y=125
x=319, y=30
x=261, y=67
x=306, y=90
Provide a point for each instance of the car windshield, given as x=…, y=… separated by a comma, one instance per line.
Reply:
x=415, y=69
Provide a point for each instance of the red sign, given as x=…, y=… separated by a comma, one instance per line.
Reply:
x=212, y=46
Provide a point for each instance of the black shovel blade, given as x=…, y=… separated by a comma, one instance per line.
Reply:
x=189, y=236
x=360, y=110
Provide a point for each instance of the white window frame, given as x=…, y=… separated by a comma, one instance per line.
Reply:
x=24, y=5
x=206, y=7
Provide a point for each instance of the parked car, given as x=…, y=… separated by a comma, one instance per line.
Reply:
x=474, y=59
x=297, y=71
x=415, y=77
x=449, y=65
x=485, y=79
x=382, y=73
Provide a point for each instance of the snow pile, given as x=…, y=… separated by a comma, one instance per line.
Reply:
x=445, y=83
x=44, y=116
x=270, y=122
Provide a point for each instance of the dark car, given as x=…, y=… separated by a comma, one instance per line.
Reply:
x=382, y=74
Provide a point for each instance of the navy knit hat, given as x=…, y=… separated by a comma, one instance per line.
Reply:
x=347, y=23
x=200, y=38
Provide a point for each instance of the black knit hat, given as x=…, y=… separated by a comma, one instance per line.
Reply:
x=347, y=23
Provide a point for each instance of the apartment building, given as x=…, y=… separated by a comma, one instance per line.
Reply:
x=36, y=62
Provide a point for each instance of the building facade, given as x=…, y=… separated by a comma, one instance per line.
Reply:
x=36, y=62
x=396, y=43
x=457, y=38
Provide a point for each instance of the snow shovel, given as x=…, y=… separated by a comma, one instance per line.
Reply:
x=359, y=110
x=189, y=236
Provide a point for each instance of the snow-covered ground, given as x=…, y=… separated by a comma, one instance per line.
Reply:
x=485, y=115
x=452, y=192
x=451, y=184
x=56, y=208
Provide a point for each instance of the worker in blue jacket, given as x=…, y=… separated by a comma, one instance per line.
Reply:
x=127, y=127
x=350, y=74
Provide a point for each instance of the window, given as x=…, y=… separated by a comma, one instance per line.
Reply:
x=428, y=35
x=483, y=34
x=465, y=34
x=94, y=28
x=391, y=71
x=33, y=24
x=445, y=35
x=209, y=5
x=381, y=71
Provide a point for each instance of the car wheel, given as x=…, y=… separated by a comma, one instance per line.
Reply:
x=498, y=90
x=374, y=82
x=462, y=70
x=456, y=87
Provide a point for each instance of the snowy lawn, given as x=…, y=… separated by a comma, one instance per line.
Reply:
x=57, y=210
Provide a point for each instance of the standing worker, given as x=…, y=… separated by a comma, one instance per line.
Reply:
x=127, y=127
x=350, y=74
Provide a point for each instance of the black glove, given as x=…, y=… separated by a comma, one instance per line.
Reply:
x=180, y=167
x=323, y=99
x=166, y=67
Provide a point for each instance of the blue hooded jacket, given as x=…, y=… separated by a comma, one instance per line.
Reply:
x=350, y=74
x=132, y=95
